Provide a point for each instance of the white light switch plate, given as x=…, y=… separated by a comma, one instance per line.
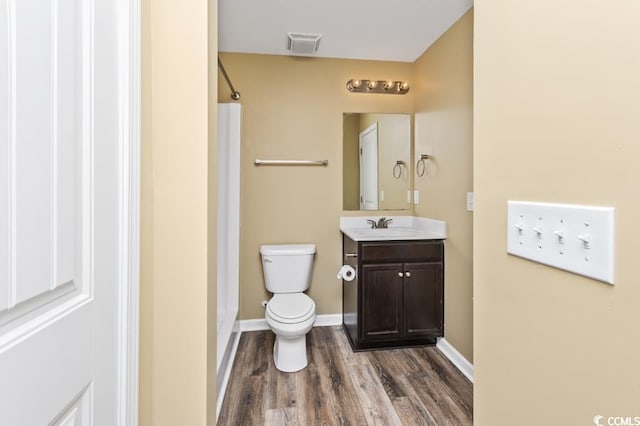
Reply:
x=578, y=239
x=469, y=201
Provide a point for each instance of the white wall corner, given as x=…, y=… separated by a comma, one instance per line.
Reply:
x=456, y=358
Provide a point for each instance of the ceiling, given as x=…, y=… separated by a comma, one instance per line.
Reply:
x=388, y=30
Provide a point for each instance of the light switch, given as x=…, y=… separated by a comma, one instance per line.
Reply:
x=469, y=201
x=416, y=197
x=578, y=239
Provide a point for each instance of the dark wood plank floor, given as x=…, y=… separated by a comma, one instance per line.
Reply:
x=416, y=386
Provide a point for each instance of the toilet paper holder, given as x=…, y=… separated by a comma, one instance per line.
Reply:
x=347, y=273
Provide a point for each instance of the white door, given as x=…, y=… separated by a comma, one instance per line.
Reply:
x=63, y=196
x=369, y=168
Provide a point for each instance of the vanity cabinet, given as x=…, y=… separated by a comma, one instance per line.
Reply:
x=397, y=297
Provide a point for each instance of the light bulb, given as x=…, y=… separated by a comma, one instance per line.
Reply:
x=373, y=84
x=389, y=85
x=356, y=83
x=404, y=85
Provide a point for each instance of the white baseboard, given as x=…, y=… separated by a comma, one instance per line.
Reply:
x=328, y=320
x=261, y=324
x=226, y=367
x=456, y=358
x=253, y=325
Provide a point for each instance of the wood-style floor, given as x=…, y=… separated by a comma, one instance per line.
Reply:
x=416, y=386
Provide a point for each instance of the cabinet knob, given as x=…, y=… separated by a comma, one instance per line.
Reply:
x=400, y=274
x=407, y=274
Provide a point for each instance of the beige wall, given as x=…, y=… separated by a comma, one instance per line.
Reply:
x=442, y=82
x=175, y=352
x=351, y=162
x=556, y=97
x=292, y=109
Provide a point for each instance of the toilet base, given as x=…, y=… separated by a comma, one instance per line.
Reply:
x=290, y=347
x=290, y=353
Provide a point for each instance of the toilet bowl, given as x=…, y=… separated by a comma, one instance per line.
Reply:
x=290, y=313
x=290, y=317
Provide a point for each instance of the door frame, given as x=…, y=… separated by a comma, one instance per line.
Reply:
x=129, y=27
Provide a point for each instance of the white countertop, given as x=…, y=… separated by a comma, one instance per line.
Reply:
x=400, y=228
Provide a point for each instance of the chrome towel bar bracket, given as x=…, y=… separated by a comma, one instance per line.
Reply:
x=397, y=169
x=421, y=166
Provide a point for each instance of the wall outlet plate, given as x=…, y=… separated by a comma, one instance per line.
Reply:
x=578, y=239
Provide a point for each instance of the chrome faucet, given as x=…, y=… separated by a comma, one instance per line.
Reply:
x=382, y=223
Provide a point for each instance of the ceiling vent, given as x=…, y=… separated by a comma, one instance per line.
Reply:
x=303, y=44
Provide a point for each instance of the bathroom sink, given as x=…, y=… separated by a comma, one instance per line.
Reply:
x=380, y=234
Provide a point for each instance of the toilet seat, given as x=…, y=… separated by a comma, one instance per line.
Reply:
x=291, y=308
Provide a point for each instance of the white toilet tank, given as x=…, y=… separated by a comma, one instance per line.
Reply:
x=287, y=267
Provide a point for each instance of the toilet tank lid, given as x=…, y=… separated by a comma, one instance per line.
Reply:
x=287, y=249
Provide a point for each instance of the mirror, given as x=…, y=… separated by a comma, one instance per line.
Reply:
x=376, y=163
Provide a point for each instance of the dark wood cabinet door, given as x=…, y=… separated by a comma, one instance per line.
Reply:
x=423, y=299
x=381, y=301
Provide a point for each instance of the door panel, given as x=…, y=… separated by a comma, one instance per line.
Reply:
x=32, y=150
x=423, y=302
x=47, y=368
x=381, y=301
x=59, y=211
x=78, y=412
x=42, y=199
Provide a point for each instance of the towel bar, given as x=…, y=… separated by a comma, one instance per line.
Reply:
x=291, y=162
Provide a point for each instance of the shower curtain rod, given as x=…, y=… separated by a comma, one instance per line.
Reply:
x=235, y=95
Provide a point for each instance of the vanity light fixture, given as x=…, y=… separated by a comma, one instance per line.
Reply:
x=390, y=87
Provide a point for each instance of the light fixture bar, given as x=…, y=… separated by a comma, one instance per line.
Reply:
x=389, y=87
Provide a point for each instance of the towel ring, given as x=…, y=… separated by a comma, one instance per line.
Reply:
x=421, y=166
x=398, y=167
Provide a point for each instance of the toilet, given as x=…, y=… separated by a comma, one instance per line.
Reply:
x=290, y=313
